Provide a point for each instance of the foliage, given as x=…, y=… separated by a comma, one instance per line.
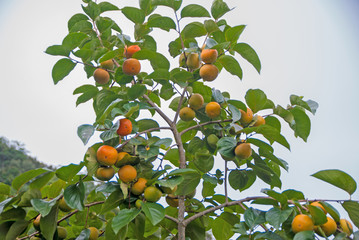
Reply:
x=179, y=166
x=14, y=160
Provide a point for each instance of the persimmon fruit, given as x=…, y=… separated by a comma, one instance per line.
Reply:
x=131, y=67
x=105, y=173
x=125, y=127
x=130, y=50
x=196, y=101
x=108, y=64
x=101, y=76
x=208, y=72
x=139, y=186
x=213, y=109
x=127, y=173
x=302, y=222
x=106, y=155
x=243, y=150
x=152, y=194
x=209, y=55
x=187, y=114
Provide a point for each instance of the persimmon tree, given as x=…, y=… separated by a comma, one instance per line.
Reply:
x=169, y=145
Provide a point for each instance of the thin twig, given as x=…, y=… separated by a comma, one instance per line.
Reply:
x=204, y=124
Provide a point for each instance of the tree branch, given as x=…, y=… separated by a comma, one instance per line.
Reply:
x=138, y=134
x=158, y=110
x=204, y=124
x=180, y=104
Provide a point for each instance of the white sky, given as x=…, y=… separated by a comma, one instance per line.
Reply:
x=307, y=48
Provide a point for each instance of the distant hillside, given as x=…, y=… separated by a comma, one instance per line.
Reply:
x=14, y=160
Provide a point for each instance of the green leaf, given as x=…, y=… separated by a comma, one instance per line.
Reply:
x=317, y=214
x=210, y=26
x=203, y=161
x=85, y=132
x=301, y=124
x=104, y=24
x=4, y=189
x=136, y=91
x=174, y=4
x=182, y=171
x=232, y=34
x=195, y=229
x=158, y=61
x=274, y=122
x=170, y=182
x=194, y=10
x=231, y=65
x=276, y=216
x=172, y=155
x=58, y=50
x=238, y=179
x=124, y=217
x=74, y=196
x=84, y=235
x=73, y=40
x=337, y=178
x=75, y=19
x=296, y=100
x=194, y=29
x=189, y=135
x=61, y=69
x=254, y=217
x=48, y=223
x=113, y=201
x=205, y=91
x=222, y=226
x=145, y=124
x=161, y=22
x=92, y=10
x=226, y=147
x=248, y=53
x=352, y=209
x=89, y=92
x=219, y=8
x=255, y=99
x=111, y=133
x=282, y=198
x=25, y=177
x=304, y=235
x=106, y=6
x=134, y=14
x=154, y=212
x=16, y=229
x=268, y=235
x=67, y=173
x=331, y=210
x=189, y=183
x=236, y=114
x=42, y=206
x=41, y=181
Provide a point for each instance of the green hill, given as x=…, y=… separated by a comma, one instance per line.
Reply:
x=14, y=160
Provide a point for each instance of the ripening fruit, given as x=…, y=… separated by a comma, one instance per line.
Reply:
x=105, y=173
x=108, y=64
x=213, y=109
x=168, y=190
x=129, y=51
x=101, y=76
x=258, y=120
x=63, y=205
x=36, y=222
x=152, y=194
x=127, y=173
x=243, y=151
x=346, y=226
x=93, y=233
x=187, y=114
x=193, y=61
x=131, y=67
x=138, y=203
x=329, y=228
x=106, y=155
x=317, y=204
x=196, y=101
x=172, y=200
x=122, y=159
x=208, y=72
x=125, y=127
x=61, y=232
x=209, y=55
x=302, y=222
x=139, y=186
x=246, y=117
x=212, y=140
x=182, y=60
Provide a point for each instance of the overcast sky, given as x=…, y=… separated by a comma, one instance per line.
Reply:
x=307, y=48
